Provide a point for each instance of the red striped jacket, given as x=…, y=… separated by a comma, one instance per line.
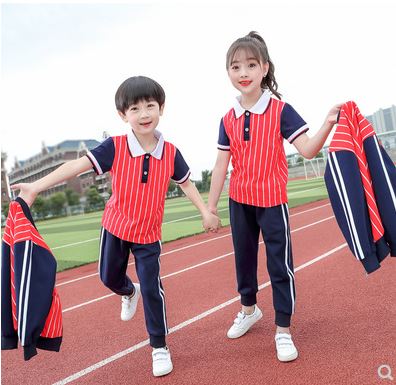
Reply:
x=361, y=181
x=30, y=306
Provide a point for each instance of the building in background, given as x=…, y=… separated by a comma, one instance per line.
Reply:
x=50, y=158
x=383, y=120
x=5, y=186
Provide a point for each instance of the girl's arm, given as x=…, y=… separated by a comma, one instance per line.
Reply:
x=29, y=191
x=218, y=177
x=309, y=147
x=209, y=221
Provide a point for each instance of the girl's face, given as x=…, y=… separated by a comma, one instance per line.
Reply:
x=246, y=72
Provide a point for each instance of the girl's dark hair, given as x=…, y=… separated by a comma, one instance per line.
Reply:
x=138, y=88
x=255, y=45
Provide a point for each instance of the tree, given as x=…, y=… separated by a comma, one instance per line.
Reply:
x=171, y=189
x=4, y=209
x=57, y=202
x=72, y=197
x=206, y=179
x=41, y=207
x=198, y=185
x=94, y=200
x=180, y=192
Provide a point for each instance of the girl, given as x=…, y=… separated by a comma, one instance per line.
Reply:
x=252, y=133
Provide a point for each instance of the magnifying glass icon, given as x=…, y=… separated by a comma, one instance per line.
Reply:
x=385, y=372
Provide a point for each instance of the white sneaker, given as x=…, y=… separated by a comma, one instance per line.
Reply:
x=162, y=363
x=129, y=304
x=285, y=349
x=243, y=322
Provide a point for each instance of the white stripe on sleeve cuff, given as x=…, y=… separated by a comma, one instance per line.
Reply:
x=182, y=180
x=297, y=133
x=94, y=163
x=223, y=147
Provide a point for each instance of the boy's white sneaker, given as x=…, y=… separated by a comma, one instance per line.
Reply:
x=243, y=322
x=285, y=349
x=129, y=304
x=162, y=363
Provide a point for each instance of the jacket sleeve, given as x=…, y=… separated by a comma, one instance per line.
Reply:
x=30, y=307
x=348, y=201
x=35, y=270
x=383, y=174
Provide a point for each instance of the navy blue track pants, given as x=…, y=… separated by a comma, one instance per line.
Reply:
x=113, y=263
x=246, y=223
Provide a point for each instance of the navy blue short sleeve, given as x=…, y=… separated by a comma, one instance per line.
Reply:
x=102, y=156
x=181, y=169
x=223, y=142
x=292, y=124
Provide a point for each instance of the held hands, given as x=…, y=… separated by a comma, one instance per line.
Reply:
x=211, y=222
x=26, y=191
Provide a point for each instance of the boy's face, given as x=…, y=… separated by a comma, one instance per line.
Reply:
x=143, y=116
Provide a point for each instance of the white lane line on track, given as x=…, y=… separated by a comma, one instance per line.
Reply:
x=190, y=267
x=182, y=325
x=182, y=248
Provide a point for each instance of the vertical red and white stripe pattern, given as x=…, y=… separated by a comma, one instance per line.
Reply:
x=135, y=210
x=352, y=130
x=20, y=230
x=259, y=175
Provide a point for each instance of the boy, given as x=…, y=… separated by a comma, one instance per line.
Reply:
x=142, y=164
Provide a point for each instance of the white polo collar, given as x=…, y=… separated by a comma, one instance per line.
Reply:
x=258, y=108
x=136, y=149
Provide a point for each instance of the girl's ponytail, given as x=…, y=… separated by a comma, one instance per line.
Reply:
x=268, y=81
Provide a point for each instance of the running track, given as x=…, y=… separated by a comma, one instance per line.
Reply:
x=344, y=326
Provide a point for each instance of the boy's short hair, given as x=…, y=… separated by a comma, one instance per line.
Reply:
x=137, y=88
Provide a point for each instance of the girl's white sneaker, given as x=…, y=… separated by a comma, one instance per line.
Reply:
x=243, y=322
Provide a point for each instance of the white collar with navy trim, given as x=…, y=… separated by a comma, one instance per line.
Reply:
x=137, y=150
x=258, y=108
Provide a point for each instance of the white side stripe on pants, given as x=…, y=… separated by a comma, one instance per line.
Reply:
x=287, y=258
x=100, y=248
x=162, y=294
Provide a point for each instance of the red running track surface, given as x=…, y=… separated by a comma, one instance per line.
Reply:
x=343, y=326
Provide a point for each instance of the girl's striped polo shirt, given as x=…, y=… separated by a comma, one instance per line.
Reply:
x=255, y=139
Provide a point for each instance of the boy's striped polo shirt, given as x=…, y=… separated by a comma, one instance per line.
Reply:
x=255, y=139
x=140, y=181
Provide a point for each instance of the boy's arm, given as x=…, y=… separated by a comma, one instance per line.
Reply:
x=309, y=147
x=209, y=220
x=29, y=191
x=218, y=177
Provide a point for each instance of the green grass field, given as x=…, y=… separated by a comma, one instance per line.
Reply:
x=75, y=240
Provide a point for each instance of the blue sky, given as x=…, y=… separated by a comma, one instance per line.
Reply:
x=62, y=63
